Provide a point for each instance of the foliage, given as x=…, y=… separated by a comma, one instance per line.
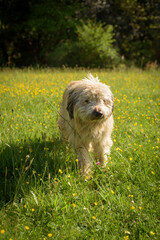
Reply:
x=94, y=47
x=97, y=40
x=43, y=195
x=30, y=31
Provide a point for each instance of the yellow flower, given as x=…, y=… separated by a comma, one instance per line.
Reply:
x=130, y=196
x=49, y=234
x=152, y=233
x=76, y=160
x=132, y=207
x=152, y=172
x=140, y=207
x=60, y=171
x=112, y=191
x=26, y=227
x=73, y=204
x=2, y=231
x=33, y=210
x=130, y=159
x=74, y=194
x=95, y=203
x=94, y=217
x=126, y=237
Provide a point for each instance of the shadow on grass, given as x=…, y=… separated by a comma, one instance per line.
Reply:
x=24, y=166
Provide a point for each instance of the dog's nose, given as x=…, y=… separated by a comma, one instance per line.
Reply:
x=97, y=114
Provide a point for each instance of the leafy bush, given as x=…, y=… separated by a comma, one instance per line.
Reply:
x=93, y=47
x=97, y=41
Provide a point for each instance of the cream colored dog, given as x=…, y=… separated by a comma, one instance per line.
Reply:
x=86, y=120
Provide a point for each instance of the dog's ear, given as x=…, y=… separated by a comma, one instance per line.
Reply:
x=70, y=104
x=112, y=107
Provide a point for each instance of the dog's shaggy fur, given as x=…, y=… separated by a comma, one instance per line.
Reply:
x=86, y=120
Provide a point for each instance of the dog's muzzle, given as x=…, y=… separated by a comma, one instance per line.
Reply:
x=97, y=114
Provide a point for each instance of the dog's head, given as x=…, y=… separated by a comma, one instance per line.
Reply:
x=90, y=100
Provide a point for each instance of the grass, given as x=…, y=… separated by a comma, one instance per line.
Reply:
x=43, y=195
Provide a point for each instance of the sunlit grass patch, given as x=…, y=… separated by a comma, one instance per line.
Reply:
x=43, y=195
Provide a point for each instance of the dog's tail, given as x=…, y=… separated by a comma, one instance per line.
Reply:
x=91, y=78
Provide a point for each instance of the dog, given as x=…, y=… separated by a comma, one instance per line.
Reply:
x=86, y=120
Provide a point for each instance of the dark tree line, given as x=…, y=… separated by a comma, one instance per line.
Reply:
x=44, y=32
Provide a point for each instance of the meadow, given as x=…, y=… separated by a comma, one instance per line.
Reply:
x=42, y=193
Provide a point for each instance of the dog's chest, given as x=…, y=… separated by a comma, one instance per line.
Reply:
x=92, y=132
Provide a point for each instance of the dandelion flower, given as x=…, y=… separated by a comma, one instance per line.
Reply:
x=140, y=207
x=33, y=209
x=112, y=191
x=2, y=231
x=49, y=234
x=60, y=171
x=76, y=160
x=26, y=227
x=74, y=194
x=152, y=233
x=132, y=207
x=94, y=217
x=95, y=203
x=130, y=196
x=126, y=237
x=73, y=204
x=86, y=177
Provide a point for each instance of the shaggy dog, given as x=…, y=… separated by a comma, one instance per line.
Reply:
x=86, y=120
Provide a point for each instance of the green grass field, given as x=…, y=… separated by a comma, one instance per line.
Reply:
x=42, y=193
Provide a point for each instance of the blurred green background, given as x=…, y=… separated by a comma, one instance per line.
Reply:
x=98, y=33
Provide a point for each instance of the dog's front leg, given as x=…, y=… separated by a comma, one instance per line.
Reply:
x=101, y=151
x=100, y=156
x=84, y=160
